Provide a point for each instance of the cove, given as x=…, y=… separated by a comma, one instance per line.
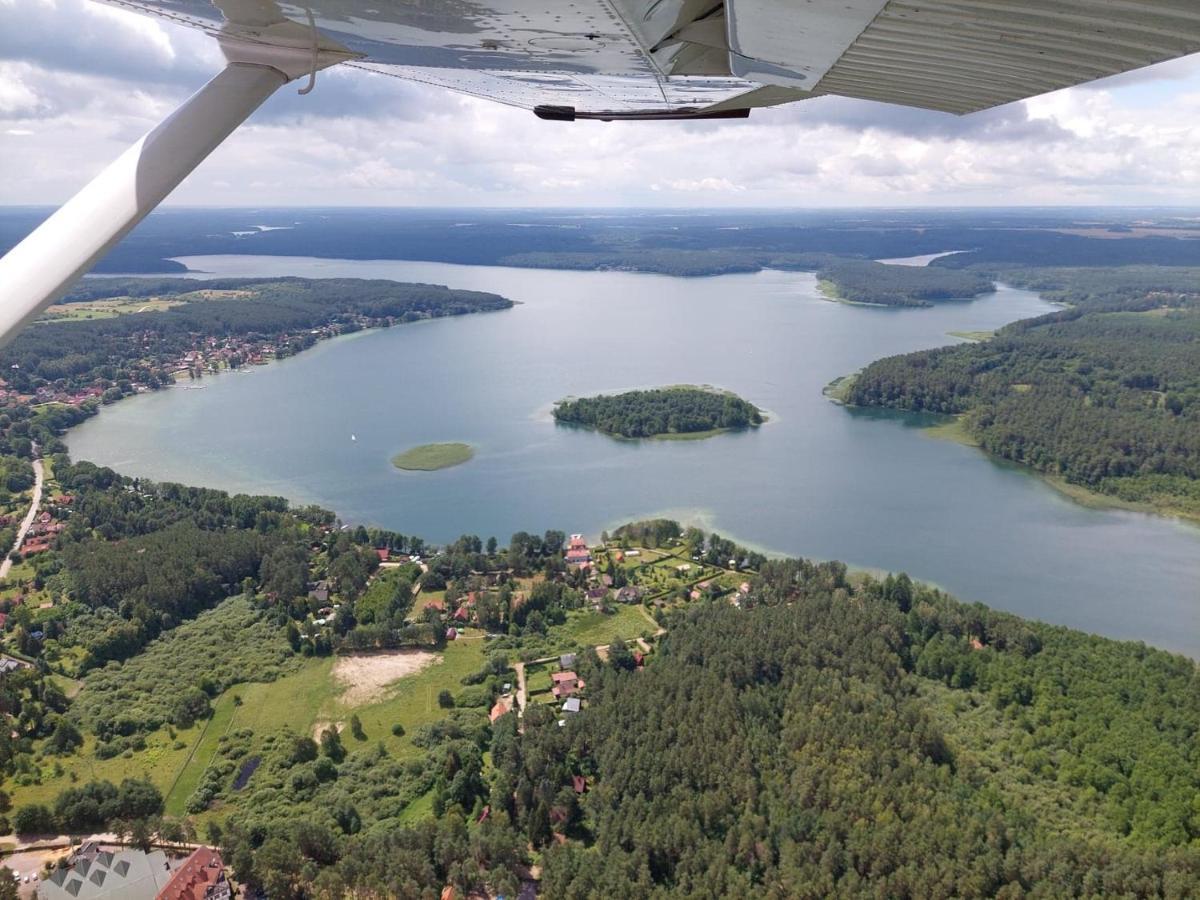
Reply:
x=817, y=480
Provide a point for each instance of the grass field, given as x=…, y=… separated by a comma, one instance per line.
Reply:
x=412, y=702
x=972, y=335
x=159, y=762
x=590, y=628
x=187, y=778
x=428, y=457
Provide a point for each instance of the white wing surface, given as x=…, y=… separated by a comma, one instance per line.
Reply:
x=640, y=57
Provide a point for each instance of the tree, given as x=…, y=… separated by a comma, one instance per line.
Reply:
x=331, y=744
x=445, y=699
x=33, y=818
x=356, y=728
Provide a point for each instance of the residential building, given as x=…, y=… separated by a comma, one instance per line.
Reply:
x=201, y=877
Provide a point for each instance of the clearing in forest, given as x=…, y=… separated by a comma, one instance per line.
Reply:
x=364, y=678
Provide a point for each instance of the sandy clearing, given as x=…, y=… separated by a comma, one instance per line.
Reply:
x=364, y=678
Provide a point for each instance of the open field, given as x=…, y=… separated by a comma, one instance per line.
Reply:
x=591, y=628
x=413, y=701
x=428, y=457
x=365, y=677
x=203, y=749
x=972, y=335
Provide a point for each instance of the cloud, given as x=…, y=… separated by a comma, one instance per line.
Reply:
x=79, y=81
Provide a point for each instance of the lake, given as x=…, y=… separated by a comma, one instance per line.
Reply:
x=818, y=480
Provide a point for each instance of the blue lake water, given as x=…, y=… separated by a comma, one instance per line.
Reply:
x=818, y=480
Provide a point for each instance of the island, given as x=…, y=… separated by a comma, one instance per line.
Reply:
x=678, y=412
x=430, y=457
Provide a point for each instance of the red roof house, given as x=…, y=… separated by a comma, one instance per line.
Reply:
x=201, y=877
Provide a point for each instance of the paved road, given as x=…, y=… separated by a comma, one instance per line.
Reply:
x=39, y=476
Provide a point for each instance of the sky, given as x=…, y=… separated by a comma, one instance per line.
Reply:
x=80, y=81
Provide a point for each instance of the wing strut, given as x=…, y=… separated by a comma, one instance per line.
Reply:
x=42, y=267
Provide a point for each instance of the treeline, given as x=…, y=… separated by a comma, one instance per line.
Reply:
x=138, y=346
x=866, y=281
x=662, y=411
x=1101, y=396
x=95, y=806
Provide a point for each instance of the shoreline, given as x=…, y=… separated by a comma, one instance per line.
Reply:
x=954, y=430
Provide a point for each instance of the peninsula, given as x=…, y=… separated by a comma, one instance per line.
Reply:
x=679, y=412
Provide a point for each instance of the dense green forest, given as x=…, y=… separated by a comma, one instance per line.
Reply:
x=661, y=411
x=1105, y=394
x=865, y=281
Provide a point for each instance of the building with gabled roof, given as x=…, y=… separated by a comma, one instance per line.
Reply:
x=201, y=877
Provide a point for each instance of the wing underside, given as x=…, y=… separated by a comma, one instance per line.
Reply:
x=637, y=57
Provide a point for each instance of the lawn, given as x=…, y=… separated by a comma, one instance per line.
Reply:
x=537, y=677
x=429, y=457
x=590, y=628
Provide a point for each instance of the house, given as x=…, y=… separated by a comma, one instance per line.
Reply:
x=564, y=684
x=579, y=783
x=571, y=706
x=577, y=551
x=629, y=594
x=201, y=877
x=8, y=664
x=502, y=705
x=320, y=592
x=108, y=875
x=566, y=661
x=383, y=553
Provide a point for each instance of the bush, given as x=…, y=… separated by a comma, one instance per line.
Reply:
x=398, y=730
x=445, y=699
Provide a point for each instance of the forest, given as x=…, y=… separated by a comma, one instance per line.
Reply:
x=681, y=410
x=1104, y=394
x=865, y=281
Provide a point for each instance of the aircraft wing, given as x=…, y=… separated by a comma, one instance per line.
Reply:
x=634, y=58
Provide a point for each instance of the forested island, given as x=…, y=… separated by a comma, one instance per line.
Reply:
x=680, y=411
x=1104, y=395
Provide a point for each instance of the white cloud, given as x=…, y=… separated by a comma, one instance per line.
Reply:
x=79, y=81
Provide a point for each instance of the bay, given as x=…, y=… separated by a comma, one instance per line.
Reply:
x=818, y=480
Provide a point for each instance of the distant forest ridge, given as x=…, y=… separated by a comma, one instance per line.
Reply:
x=678, y=243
